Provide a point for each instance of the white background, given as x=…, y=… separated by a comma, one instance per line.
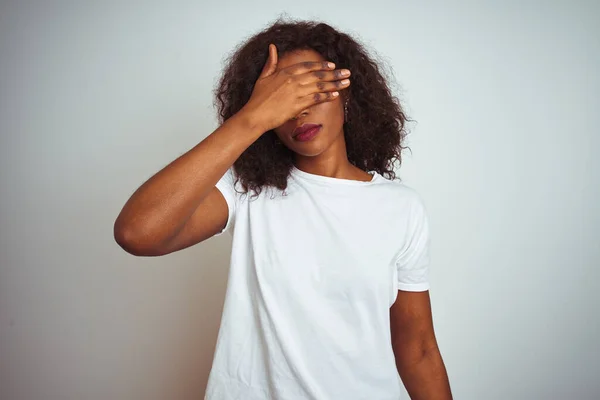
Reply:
x=97, y=96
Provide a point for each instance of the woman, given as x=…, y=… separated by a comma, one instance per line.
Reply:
x=327, y=296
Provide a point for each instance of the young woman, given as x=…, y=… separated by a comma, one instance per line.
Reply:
x=328, y=294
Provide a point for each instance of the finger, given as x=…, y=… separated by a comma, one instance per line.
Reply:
x=271, y=63
x=327, y=76
x=309, y=66
x=319, y=97
x=323, y=86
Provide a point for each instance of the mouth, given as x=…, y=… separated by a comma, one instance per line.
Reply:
x=306, y=130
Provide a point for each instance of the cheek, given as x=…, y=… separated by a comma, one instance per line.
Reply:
x=284, y=130
x=332, y=110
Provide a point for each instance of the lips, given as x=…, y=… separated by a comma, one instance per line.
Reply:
x=304, y=128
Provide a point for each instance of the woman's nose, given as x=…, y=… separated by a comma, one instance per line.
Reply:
x=302, y=114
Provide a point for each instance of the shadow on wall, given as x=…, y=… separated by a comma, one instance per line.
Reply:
x=202, y=284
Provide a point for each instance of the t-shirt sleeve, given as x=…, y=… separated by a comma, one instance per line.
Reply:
x=226, y=185
x=413, y=262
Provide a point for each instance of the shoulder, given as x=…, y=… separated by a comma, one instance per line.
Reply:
x=401, y=192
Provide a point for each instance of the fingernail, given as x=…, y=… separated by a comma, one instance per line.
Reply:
x=331, y=65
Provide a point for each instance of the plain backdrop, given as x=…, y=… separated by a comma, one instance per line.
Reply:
x=98, y=96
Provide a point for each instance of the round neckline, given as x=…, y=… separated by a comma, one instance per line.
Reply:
x=328, y=180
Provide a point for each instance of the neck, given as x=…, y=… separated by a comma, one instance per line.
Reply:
x=333, y=162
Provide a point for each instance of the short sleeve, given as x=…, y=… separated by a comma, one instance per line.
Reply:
x=226, y=185
x=413, y=262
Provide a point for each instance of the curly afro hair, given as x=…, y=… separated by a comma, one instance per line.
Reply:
x=374, y=131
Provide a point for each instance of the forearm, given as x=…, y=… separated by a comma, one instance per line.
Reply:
x=424, y=374
x=164, y=202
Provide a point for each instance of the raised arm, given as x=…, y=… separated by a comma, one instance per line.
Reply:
x=180, y=206
x=157, y=212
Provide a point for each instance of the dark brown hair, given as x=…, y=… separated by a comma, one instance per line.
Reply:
x=375, y=129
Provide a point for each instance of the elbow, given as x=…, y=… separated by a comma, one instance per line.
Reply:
x=135, y=241
x=126, y=240
x=412, y=350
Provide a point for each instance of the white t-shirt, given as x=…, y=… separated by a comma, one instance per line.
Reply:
x=313, y=275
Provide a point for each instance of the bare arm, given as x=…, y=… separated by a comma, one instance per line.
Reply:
x=418, y=358
x=180, y=206
x=159, y=209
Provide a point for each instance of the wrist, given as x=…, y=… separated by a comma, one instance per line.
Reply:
x=250, y=122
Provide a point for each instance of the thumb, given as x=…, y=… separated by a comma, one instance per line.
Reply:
x=271, y=63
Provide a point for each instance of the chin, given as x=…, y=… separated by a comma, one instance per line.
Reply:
x=309, y=151
x=311, y=148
